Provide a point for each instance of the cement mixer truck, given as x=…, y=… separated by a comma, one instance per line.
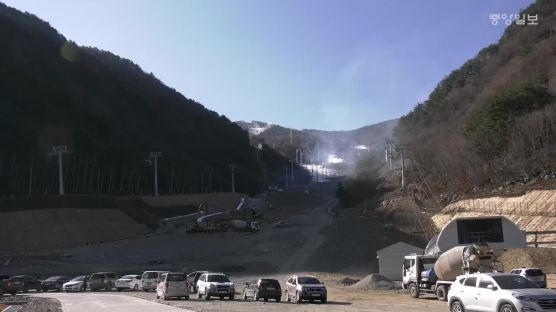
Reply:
x=436, y=273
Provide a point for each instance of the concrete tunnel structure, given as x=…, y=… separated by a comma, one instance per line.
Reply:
x=498, y=232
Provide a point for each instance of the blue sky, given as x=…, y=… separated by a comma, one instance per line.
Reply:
x=322, y=64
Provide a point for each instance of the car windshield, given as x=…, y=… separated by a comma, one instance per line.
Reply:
x=269, y=282
x=150, y=275
x=128, y=277
x=307, y=280
x=53, y=278
x=176, y=277
x=514, y=282
x=79, y=279
x=534, y=272
x=218, y=278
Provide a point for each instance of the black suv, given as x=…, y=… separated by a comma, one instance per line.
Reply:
x=265, y=288
x=54, y=283
x=24, y=283
x=6, y=285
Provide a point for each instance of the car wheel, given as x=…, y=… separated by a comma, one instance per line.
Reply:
x=13, y=293
x=456, y=306
x=441, y=293
x=506, y=307
x=186, y=297
x=221, y=298
x=199, y=295
x=298, y=298
x=265, y=299
x=232, y=297
x=414, y=290
x=277, y=299
x=207, y=296
x=244, y=295
x=288, y=299
x=323, y=300
x=256, y=296
x=136, y=287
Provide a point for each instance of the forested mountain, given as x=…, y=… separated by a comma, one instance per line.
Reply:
x=494, y=118
x=111, y=114
x=313, y=142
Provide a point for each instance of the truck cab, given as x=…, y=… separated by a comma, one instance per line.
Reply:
x=418, y=274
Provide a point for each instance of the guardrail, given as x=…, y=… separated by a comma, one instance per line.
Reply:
x=515, y=208
x=536, y=235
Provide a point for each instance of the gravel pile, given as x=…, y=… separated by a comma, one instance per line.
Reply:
x=375, y=282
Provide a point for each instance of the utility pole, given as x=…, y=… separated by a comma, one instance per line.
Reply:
x=318, y=152
x=155, y=156
x=233, y=169
x=291, y=161
x=286, y=175
x=59, y=151
x=402, y=149
x=390, y=144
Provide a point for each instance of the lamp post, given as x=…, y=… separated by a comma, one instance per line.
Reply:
x=59, y=151
x=154, y=156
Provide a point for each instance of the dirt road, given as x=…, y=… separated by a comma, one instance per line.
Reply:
x=93, y=302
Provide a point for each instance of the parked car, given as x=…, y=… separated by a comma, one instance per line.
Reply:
x=499, y=292
x=78, y=283
x=172, y=285
x=102, y=280
x=535, y=275
x=192, y=279
x=6, y=286
x=215, y=284
x=306, y=287
x=54, y=283
x=149, y=280
x=24, y=283
x=129, y=282
x=265, y=288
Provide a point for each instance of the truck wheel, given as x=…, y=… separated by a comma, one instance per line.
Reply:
x=506, y=307
x=456, y=306
x=413, y=290
x=441, y=293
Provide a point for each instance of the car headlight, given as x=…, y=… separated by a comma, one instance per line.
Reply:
x=521, y=297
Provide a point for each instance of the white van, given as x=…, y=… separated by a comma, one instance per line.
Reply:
x=172, y=285
x=149, y=280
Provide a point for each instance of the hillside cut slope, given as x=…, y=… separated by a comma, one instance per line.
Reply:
x=493, y=118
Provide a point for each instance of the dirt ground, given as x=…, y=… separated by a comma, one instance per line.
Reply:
x=340, y=298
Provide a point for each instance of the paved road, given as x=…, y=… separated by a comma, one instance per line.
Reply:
x=88, y=302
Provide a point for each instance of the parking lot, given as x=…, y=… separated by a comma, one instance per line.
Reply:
x=340, y=298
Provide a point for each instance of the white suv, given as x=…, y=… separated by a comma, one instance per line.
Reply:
x=215, y=284
x=535, y=275
x=499, y=292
